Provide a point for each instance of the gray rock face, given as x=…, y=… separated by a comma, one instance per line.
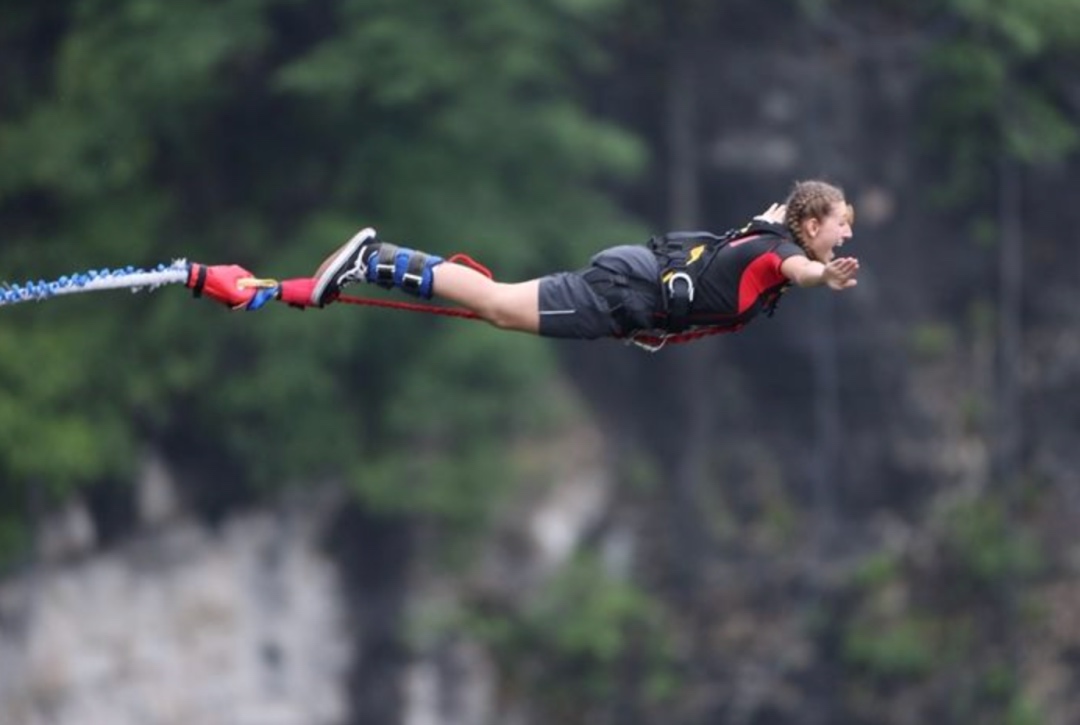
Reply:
x=240, y=625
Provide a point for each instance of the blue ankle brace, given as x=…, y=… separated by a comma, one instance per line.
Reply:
x=389, y=266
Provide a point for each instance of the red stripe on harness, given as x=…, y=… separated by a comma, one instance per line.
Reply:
x=760, y=275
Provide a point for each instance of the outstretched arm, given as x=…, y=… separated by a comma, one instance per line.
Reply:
x=839, y=274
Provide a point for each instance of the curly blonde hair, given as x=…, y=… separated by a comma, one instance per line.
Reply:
x=812, y=200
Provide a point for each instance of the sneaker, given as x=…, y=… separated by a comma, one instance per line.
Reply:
x=345, y=265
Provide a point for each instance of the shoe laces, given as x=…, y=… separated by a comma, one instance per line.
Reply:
x=358, y=270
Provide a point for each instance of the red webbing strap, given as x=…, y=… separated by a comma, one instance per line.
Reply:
x=467, y=261
x=409, y=306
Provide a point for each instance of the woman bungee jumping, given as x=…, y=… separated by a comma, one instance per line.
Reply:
x=679, y=285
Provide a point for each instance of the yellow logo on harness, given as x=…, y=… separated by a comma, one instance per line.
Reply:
x=693, y=256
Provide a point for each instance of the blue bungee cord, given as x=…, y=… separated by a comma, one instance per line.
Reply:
x=94, y=280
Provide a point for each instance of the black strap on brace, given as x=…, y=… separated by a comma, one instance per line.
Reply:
x=385, y=258
x=413, y=278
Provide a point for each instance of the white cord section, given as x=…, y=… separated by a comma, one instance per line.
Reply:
x=95, y=281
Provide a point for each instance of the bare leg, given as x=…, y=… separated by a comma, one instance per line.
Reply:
x=509, y=306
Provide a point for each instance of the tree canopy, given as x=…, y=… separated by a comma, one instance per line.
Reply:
x=264, y=133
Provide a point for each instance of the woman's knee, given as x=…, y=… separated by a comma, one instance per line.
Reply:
x=501, y=311
x=512, y=307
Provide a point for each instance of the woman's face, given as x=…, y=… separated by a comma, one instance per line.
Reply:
x=825, y=235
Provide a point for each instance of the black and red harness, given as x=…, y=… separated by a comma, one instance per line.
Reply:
x=683, y=257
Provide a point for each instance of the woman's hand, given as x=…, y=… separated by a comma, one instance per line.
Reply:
x=840, y=273
x=774, y=214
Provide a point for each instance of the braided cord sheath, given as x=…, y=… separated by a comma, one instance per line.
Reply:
x=94, y=281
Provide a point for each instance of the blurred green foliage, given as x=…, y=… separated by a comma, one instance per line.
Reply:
x=994, y=79
x=581, y=639
x=877, y=570
x=933, y=340
x=262, y=133
x=899, y=649
x=992, y=550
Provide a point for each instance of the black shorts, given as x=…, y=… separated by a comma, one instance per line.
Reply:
x=618, y=292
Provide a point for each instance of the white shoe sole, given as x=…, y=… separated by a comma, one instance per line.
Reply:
x=331, y=266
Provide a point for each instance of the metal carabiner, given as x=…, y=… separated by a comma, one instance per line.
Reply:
x=681, y=276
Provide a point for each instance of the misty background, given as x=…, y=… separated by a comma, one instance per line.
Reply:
x=862, y=510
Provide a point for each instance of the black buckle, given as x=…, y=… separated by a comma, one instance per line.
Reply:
x=385, y=265
x=412, y=279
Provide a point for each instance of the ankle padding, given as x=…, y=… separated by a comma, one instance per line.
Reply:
x=297, y=292
x=389, y=265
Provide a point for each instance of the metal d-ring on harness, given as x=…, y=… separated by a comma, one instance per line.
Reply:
x=679, y=296
x=676, y=252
